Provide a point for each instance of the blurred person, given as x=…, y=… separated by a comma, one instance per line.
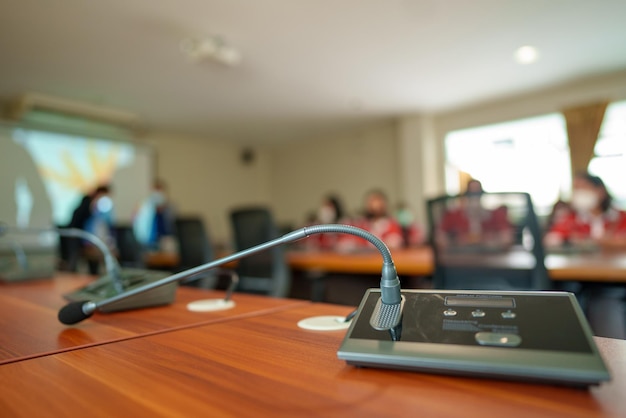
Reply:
x=589, y=219
x=412, y=234
x=330, y=212
x=471, y=223
x=378, y=221
x=94, y=214
x=474, y=187
x=154, y=222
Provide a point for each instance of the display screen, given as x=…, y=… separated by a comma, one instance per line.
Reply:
x=480, y=302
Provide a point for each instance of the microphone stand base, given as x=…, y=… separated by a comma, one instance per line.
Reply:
x=324, y=323
x=529, y=336
x=210, y=305
x=104, y=288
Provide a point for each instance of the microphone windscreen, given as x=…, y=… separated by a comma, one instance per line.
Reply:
x=73, y=313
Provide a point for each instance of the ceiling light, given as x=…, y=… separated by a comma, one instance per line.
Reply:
x=213, y=47
x=526, y=54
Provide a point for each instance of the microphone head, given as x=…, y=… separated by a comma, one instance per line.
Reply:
x=386, y=316
x=75, y=312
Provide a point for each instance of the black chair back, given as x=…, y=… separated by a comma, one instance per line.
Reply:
x=194, y=247
x=267, y=271
x=129, y=250
x=490, y=241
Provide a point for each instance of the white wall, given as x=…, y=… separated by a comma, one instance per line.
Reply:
x=206, y=177
x=421, y=168
x=302, y=172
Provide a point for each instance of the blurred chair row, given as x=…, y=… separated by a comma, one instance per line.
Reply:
x=264, y=273
x=487, y=241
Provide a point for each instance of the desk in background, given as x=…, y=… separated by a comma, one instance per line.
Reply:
x=608, y=267
x=264, y=365
x=408, y=262
x=596, y=267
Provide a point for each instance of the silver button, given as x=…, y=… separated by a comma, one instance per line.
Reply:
x=478, y=313
x=498, y=339
x=508, y=315
x=449, y=312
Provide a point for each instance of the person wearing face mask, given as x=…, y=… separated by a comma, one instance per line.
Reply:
x=378, y=221
x=94, y=214
x=154, y=222
x=590, y=220
x=330, y=212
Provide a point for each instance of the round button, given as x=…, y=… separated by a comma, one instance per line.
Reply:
x=478, y=313
x=508, y=315
x=449, y=312
x=498, y=339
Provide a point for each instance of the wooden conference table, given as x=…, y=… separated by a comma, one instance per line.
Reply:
x=592, y=267
x=29, y=326
x=251, y=362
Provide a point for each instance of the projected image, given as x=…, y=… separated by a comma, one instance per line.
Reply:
x=71, y=167
x=45, y=175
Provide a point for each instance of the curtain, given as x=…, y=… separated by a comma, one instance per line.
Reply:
x=463, y=179
x=583, y=127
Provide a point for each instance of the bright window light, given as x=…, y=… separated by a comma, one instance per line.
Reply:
x=529, y=155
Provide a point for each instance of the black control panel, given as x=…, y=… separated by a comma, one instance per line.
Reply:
x=517, y=321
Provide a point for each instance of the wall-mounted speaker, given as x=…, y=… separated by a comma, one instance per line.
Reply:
x=247, y=156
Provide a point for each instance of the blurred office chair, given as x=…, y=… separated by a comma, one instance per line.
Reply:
x=489, y=241
x=194, y=248
x=266, y=272
x=129, y=250
x=69, y=253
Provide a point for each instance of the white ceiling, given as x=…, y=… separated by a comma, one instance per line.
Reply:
x=306, y=63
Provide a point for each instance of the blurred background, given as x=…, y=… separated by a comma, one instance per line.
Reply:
x=278, y=102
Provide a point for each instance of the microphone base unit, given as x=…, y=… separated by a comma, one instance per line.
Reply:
x=324, y=323
x=104, y=288
x=28, y=256
x=210, y=305
x=540, y=337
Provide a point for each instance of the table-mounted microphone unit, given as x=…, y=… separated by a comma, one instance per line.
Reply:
x=118, y=280
x=385, y=317
x=115, y=281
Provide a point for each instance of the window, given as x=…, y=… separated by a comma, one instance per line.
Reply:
x=609, y=162
x=529, y=155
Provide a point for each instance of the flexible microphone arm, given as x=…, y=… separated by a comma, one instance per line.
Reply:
x=110, y=262
x=75, y=312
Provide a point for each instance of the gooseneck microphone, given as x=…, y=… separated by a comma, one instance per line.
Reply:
x=111, y=265
x=386, y=315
